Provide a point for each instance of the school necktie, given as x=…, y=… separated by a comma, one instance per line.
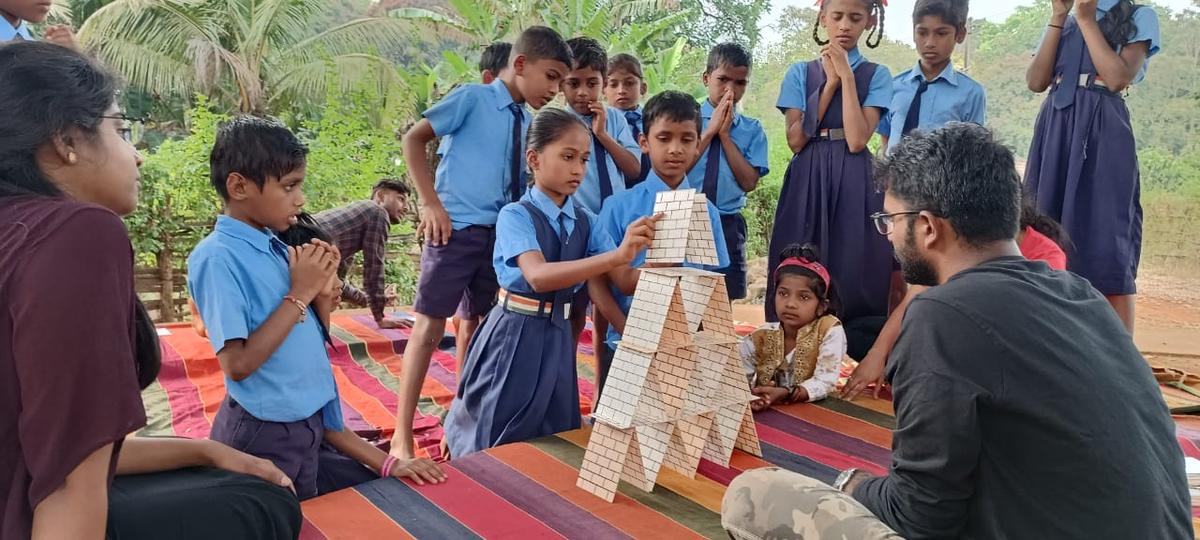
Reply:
x=635, y=119
x=563, y=237
x=1072, y=58
x=711, y=166
x=601, y=158
x=514, y=161
x=914, y=109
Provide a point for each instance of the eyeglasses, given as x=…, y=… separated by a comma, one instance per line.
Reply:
x=131, y=128
x=885, y=223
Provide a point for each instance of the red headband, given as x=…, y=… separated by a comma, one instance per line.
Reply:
x=814, y=267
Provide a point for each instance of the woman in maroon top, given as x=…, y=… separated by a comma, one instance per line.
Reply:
x=76, y=345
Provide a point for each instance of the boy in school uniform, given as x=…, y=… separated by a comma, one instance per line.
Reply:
x=260, y=301
x=482, y=168
x=494, y=61
x=615, y=153
x=671, y=139
x=624, y=91
x=15, y=16
x=933, y=93
x=733, y=154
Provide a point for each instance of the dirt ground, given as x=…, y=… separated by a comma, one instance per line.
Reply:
x=1168, y=316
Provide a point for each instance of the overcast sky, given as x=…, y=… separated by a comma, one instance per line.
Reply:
x=899, y=13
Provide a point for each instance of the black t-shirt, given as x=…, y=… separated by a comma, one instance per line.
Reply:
x=1024, y=410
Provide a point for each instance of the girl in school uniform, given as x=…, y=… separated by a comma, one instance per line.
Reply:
x=797, y=359
x=1083, y=168
x=519, y=379
x=832, y=105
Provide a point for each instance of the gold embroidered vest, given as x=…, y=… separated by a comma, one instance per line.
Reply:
x=772, y=360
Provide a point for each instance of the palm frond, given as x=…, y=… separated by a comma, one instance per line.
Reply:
x=308, y=81
x=357, y=36
x=146, y=68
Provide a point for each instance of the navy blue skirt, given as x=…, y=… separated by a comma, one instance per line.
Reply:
x=1083, y=172
x=518, y=383
x=827, y=198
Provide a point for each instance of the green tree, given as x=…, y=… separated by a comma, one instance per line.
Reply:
x=724, y=20
x=245, y=54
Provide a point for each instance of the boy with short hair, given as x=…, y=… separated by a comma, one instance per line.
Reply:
x=671, y=140
x=260, y=300
x=625, y=88
x=733, y=154
x=494, y=61
x=482, y=168
x=615, y=153
x=933, y=93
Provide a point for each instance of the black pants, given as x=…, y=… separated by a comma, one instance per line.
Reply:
x=200, y=503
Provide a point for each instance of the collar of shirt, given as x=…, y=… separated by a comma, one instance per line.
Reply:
x=855, y=57
x=637, y=111
x=547, y=206
x=261, y=240
x=8, y=32
x=707, y=108
x=654, y=183
x=503, y=96
x=949, y=74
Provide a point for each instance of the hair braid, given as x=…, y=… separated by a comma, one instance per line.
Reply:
x=877, y=31
x=817, y=28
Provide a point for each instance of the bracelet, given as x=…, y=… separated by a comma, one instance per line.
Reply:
x=386, y=470
x=299, y=305
x=1058, y=26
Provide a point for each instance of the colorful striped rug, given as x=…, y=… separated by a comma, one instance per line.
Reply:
x=520, y=490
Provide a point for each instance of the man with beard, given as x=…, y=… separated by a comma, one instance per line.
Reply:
x=363, y=226
x=1023, y=409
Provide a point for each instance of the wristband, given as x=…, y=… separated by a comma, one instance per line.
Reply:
x=299, y=305
x=1058, y=26
x=386, y=470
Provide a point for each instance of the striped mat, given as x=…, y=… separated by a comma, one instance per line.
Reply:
x=521, y=490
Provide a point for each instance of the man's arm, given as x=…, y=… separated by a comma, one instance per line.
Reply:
x=936, y=443
x=374, y=252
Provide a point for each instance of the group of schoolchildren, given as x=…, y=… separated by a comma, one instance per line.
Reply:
x=530, y=221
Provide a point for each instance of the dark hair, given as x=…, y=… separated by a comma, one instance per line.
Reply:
x=588, y=53
x=626, y=62
x=951, y=12
x=672, y=105
x=809, y=252
x=495, y=57
x=542, y=43
x=1118, y=24
x=727, y=54
x=961, y=173
x=303, y=232
x=392, y=184
x=874, y=7
x=255, y=147
x=1030, y=217
x=45, y=90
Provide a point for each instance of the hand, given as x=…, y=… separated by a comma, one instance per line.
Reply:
x=310, y=266
x=599, y=118
x=435, y=224
x=869, y=371
x=391, y=324
x=61, y=35
x=226, y=458
x=767, y=396
x=1085, y=10
x=638, y=236
x=831, y=76
x=839, y=58
x=713, y=129
x=727, y=119
x=1061, y=7
x=419, y=470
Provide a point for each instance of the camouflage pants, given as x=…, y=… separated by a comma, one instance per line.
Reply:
x=775, y=504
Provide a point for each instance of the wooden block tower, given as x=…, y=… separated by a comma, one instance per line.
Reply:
x=675, y=392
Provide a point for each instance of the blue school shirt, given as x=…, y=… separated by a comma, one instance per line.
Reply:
x=238, y=276
x=8, y=32
x=793, y=92
x=515, y=235
x=748, y=135
x=950, y=97
x=638, y=202
x=617, y=126
x=475, y=124
x=1146, y=20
